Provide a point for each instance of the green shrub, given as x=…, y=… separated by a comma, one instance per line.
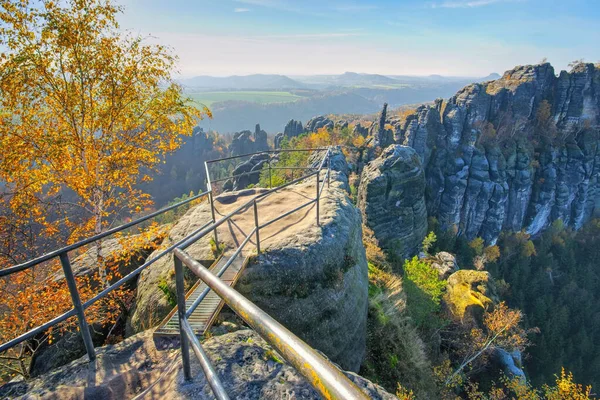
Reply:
x=424, y=291
x=163, y=285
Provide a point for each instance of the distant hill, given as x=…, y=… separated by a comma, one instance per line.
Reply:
x=234, y=116
x=355, y=79
x=491, y=77
x=258, y=81
x=350, y=92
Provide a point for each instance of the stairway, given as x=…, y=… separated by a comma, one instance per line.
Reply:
x=207, y=311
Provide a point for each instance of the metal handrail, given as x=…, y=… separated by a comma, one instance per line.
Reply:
x=178, y=248
x=36, y=331
x=81, y=243
x=79, y=308
x=266, y=152
x=325, y=378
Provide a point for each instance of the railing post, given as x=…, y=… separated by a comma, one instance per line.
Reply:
x=328, y=168
x=318, y=197
x=270, y=177
x=185, y=345
x=212, y=211
x=257, y=227
x=83, y=326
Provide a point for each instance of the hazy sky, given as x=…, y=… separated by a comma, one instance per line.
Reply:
x=412, y=37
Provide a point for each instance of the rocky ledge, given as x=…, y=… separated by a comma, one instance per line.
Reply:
x=141, y=365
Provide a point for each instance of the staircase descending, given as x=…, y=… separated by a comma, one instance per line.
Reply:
x=207, y=311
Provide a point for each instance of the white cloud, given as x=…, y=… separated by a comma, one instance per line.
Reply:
x=241, y=10
x=468, y=3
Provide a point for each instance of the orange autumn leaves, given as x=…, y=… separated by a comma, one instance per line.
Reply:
x=87, y=112
x=85, y=107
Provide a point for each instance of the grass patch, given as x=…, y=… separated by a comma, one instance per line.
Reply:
x=395, y=352
x=163, y=285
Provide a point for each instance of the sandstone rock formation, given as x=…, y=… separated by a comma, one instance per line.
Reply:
x=252, y=168
x=391, y=199
x=516, y=153
x=316, y=123
x=246, y=142
x=360, y=130
x=383, y=137
x=444, y=263
x=292, y=129
x=469, y=293
x=339, y=166
x=142, y=365
x=315, y=281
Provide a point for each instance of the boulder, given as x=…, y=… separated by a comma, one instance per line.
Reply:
x=468, y=294
x=314, y=280
x=141, y=365
x=444, y=263
x=391, y=199
x=316, y=123
x=511, y=363
x=249, y=171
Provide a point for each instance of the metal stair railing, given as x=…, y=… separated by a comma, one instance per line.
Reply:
x=78, y=307
x=328, y=380
x=63, y=253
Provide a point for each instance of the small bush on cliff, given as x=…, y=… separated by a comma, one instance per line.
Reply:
x=424, y=290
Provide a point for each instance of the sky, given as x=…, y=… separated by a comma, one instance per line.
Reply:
x=391, y=37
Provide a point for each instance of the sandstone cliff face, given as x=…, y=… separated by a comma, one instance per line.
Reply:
x=391, y=199
x=315, y=281
x=492, y=163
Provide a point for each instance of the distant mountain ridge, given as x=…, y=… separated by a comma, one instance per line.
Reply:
x=347, y=79
x=247, y=82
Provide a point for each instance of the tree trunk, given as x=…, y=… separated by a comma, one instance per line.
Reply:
x=98, y=211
